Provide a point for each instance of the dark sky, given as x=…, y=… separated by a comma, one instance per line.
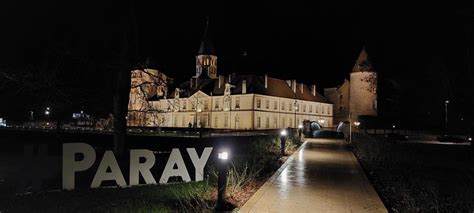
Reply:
x=313, y=43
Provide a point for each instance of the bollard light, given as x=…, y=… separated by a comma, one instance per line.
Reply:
x=223, y=155
x=222, y=180
x=283, y=134
x=300, y=129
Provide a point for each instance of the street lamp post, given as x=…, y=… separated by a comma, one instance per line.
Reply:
x=296, y=109
x=446, y=114
x=350, y=127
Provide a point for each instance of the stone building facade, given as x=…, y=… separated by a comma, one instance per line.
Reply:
x=357, y=97
x=210, y=100
x=242, y=102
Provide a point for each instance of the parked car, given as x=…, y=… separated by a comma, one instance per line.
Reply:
x=395, y=137
x=452, y=138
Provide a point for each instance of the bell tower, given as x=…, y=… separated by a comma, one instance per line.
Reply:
x=206, y=59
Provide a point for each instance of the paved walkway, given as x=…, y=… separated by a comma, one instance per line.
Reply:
x=323, y=176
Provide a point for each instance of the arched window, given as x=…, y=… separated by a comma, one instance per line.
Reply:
x=227, y=103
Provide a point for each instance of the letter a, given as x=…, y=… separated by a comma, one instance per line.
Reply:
x=175, y=159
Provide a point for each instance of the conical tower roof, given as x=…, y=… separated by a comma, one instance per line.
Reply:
x=206, y=48
x=363, y=63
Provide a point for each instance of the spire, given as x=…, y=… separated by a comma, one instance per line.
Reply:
x=206, y=47
x=363, y=63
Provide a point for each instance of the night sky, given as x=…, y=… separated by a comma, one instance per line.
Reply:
x=425, y=49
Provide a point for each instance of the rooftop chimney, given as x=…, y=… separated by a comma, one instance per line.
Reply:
x=266, y=81
x=313, y=89
x=301, y=88
x=244, y=86
x=293, y=85
x=221, y=81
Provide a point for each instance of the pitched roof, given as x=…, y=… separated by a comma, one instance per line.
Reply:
x=363, y=63
x=255, y=84
x=206, y=48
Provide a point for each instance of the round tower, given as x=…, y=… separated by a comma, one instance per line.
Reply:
x=363, y=88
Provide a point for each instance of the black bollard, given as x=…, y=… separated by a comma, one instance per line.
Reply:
x=282, y=142
x=222, y=180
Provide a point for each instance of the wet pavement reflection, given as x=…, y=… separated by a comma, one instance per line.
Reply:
x=323, y=176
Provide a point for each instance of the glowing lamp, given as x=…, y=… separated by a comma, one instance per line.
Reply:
x=223, y=155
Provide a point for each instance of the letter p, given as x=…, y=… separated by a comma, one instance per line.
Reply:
x=70, y=165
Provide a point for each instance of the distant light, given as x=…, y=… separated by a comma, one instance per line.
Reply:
x=47, y=124
x=300, y=126
x=447, y=101
x=47, y=108
x=357, y=123
x=82, y=112
x=223, y=155
x=46, y=112
x=321, y=121
x=393, y=126
x=283, y=133
x=469, y=139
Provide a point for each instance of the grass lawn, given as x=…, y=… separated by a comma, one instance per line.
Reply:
x=194, y=196
x=419, y=177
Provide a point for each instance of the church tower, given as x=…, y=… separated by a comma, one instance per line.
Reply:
x=206, y=59
x=363, y=88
